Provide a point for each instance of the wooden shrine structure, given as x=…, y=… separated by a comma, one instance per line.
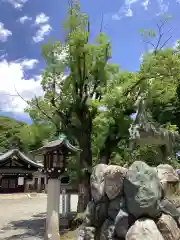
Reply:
x=16, y=172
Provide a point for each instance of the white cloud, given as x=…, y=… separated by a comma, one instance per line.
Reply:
x=163, y=7
x=41, y=18
x=125, y=10
x=28, y=64
x=129, y=2
x=25, y=19
x=44, y=27
x=43, y=31
x=145, y=4
x=3, y=56
x=4, y=33
x=12, y=75
x=129, y=13
x=17, y=3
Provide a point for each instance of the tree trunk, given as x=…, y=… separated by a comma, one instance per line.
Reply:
x=85, y=173
x=164, y=153
x=106, y=151
x=104, y=155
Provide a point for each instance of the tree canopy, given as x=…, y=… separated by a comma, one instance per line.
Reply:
x=93, y=101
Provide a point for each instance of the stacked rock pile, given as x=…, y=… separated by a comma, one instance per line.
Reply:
x=130, y=204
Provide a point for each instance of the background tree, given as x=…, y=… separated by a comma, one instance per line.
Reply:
x=112, y=123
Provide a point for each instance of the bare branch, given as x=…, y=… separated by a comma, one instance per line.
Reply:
x=37, y=106
x=102, y=20
x=158, y=45
x=148, y=42
x=165, y=42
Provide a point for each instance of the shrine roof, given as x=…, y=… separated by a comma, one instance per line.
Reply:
x=62, y=140
x=21, y=155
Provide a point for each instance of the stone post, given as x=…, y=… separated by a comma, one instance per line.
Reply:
x=63, y=202
x=52, y=220
x=39, y=184
x=68, y=203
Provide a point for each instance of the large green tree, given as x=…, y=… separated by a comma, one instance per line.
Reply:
x=74, y=81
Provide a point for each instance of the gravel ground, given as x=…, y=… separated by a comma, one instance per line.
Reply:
x=24, y=218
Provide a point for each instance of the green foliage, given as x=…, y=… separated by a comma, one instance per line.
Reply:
x=33, y=136
x=9, y=130
x=16, y=134
x=113, y=122
x=91, y=100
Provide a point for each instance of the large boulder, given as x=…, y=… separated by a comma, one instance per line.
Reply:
x=169, y=208
x=169, y=178
x=122, y=223
x=168, y=227
x=114, y=206
x=144, y=229
x=89, y=215
x=101, y=212
x=107, y=230
x=97, y=182
x=166, y=173
x=114, y=177
x=142, y=190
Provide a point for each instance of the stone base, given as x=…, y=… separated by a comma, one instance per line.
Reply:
x=64, y=222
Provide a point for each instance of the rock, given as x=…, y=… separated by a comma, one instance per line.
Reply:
x=178, y=172
x=169, y=178
x=170, y=209
x=86, y=233
x=89, y=215
x=166, y=173
x=107, y=230
x=168, y=227
x=175, y=201
x=101, y=212
x=142, y=190
x=114, y=207
x=114, y=177
x=144, y=229
x=97, y=182
x=122, y=223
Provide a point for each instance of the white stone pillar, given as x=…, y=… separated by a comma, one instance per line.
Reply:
x=46, y=183
x=52, y=219
x=64, y=203
x=39, y=184
x=68, y=203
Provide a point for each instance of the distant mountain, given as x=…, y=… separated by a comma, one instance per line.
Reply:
x=9, y=130
x=17, y=116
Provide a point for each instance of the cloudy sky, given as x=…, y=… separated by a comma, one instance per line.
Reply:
x=26, y=24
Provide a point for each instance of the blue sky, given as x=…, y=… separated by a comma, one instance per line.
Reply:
x=27, y=24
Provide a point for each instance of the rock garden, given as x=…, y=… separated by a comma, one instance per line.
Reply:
x=132, y=204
